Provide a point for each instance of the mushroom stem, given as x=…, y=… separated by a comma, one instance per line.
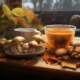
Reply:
x=33, y=49
x=74, y=48
x=19, y=48
x=12, y=49
x=26, y=51
x=14, y=46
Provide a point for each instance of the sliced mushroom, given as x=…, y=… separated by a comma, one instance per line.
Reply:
x=75, y=55
x=33, y=45
x=38, y=39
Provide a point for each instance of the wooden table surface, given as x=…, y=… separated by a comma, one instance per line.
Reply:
x=15, y=66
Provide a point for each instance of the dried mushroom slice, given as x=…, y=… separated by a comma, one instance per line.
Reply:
x=69, y=65
x=65, y=57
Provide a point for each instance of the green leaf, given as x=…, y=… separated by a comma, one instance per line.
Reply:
x=2, y=29
x=9, y=35
x=18, y=12
x=3, y=21
x=12, y=20
x=6, y=9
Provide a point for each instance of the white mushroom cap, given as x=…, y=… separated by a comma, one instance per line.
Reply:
x=33, y=44
x=18, y=39
x=2, y=41
x=25, y=46
x=77, y=44
x=38, y=38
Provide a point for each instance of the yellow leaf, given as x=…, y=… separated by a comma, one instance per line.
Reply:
x=12, y=20
x=6, y=9
x=18, y=12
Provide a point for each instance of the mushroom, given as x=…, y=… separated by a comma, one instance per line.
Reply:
x=7, y=44
x=66, y=57
x=75, y=55
x=25, y=47
x=2, y=41
x=33, y=45
x=74, y=44
x=61, y=51
x=16, y=45
x=38, y=39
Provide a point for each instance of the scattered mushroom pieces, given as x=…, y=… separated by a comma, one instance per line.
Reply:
x=38, y=39
x=25, y=47
x=60, y=51
x=75, y=55
x=75, y=44
x=33, y=45
x=16, y=45
x=65, y=57
x=7, y=44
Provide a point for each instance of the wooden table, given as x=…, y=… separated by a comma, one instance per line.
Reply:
x=13, y=67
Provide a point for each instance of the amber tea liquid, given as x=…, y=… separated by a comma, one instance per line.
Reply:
x=59, y=38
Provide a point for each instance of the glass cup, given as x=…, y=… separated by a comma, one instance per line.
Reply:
x=59, y=36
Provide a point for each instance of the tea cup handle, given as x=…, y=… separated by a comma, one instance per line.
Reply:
x=38, y=33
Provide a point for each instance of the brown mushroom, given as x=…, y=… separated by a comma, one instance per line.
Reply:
x=75, y=55
x=75, y=44
x=25, y=47
x=38, y=39
x=16, y=45
x=60, y=51
x=33, y=45
x=2, y=41
x=7, y=44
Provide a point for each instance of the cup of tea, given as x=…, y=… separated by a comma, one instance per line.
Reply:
x=27, y=33
x=59, y=36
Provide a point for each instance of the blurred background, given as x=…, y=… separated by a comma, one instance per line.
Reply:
x=54, y=11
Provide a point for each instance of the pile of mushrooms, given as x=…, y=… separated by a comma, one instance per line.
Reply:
x=17, y=46
x=67, y=53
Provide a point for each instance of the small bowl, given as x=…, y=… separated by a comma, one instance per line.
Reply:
x=38, y=50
